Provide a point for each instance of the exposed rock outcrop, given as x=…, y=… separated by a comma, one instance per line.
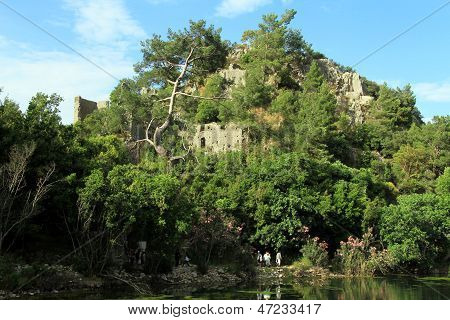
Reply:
x=350, y=92
x=348, y=86
x=234, y=75
x=214, y=276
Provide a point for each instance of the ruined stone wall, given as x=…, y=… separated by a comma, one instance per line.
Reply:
x=102, y=105
x=83, y=107
x=212, y=137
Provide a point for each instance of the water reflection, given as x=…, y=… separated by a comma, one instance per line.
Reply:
x=392, y=288
x=278, y=292
x=400, y=288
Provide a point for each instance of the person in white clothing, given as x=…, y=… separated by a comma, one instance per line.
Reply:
x=259, y=259
x=278, y=258
x=267, y=259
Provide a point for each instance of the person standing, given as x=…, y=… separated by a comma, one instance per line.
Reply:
x=267, y=258
x=186, y=261
x=278, y=258
x=259, y=258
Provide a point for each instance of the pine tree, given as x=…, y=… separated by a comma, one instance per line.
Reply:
x=313, y=79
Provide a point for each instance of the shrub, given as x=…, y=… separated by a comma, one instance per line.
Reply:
x=15, y=275
x=316, y=252
x=302, y=265
x=208, y=111
x=214, y=237
x=243, y=260
x=416, y=229
x=358, y=257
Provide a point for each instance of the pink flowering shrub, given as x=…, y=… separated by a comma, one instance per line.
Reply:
x=359, y=257
x=316, y=252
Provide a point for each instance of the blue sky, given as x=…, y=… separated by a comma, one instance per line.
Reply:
x=109, y=31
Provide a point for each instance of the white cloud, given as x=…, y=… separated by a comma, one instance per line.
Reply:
x=433, y=91
x=6, y=43
x=233, y=8
x=104, y=21
x=3, y=41
x=106, y=32
x=58, y=72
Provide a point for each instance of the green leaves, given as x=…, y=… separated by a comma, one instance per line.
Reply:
x=313, y=79
x=443, y=183
x=423, y=155
x=136, y=192
x=417, y=229
x=161, y=58
x=315, y=119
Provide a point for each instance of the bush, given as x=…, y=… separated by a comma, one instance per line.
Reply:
x=202, y=267
x=15, y=275
x=9, y=277
x=215, y=237
x=207, y=111
x=359, y=257
x=243, y=260
x=302, y=265
x=316, y=252
x=416, y=230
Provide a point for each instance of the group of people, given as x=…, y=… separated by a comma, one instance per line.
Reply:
x=266, y=258
x=136, y=256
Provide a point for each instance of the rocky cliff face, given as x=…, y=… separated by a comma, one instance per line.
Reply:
x=350, y=91
x=234, y=74
x=349, y=88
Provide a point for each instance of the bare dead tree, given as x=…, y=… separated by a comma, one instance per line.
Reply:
x=156, y=140
x=18, y=203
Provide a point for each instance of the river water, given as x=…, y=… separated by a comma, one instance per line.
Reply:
x=393, y=287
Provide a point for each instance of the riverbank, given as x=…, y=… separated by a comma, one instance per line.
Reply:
x=58, y=281
x=30, y=281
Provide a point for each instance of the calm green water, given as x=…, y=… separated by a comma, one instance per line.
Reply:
x=357, y=288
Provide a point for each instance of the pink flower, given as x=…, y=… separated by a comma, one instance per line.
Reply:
x=323, y=245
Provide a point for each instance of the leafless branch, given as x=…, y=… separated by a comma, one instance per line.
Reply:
x=176, y=65
x=17, y=206
x=200, y=97
x=165, y=99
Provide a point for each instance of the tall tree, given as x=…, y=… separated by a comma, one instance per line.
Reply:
x=316, y=116
x=313, y=79
x=177, y=65
x=273, y=49
x=11, y=126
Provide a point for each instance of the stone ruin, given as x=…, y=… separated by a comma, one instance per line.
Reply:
x=83, y=107
x=210, y=137
x=213, y=137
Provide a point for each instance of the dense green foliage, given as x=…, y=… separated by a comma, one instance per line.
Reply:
x=309, y=166
x=417, y=228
